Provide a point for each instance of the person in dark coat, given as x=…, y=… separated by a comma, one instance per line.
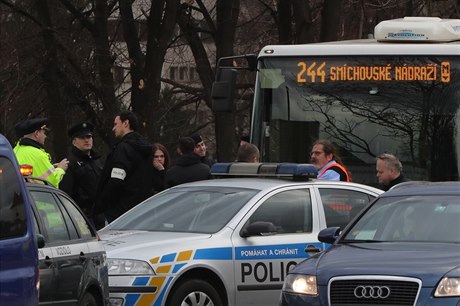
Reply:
x=188, y=167
x=84, y=171
x=127, y=175
x=161, y=162
x=389, y=171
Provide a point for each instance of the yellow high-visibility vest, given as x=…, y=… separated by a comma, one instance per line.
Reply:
x=40, y=160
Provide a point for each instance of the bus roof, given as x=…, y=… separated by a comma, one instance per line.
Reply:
x=404, y=36
x=361, y=47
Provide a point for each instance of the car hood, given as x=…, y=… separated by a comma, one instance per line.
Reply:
x=428, y=262
x=145, y=245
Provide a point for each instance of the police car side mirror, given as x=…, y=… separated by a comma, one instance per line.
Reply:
x=258, y=228
x=329, y=235
x=40, y=241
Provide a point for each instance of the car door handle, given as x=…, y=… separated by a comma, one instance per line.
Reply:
x=48, y=261
x=311, y=249
x=82, y=257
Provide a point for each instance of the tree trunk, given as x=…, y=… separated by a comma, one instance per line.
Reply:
x=226, y=137
x=50, y=78
x=284, y=22
x=330, y=20
x=160, y=25
x=104, y=64
x=303, y=21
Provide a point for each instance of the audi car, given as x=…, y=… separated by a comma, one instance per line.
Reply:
x=403, y=249
x=226, y=241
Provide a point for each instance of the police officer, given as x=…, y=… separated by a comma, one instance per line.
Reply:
x=200, y=149
x=85, y=168
x=30, y=150
x=127, y=175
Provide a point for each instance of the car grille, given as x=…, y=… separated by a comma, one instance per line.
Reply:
x=342, y=292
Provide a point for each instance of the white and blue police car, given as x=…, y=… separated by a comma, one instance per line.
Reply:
x=227, y=241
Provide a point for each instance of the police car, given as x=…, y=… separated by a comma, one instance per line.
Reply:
x=227, y=241
x=72, y=260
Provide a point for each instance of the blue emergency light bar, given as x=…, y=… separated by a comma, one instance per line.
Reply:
x=288, y=170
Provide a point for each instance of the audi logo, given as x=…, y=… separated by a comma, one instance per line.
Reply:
x=372, y=292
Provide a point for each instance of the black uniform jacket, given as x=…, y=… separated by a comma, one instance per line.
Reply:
x=133, y=156
x=188, y=168
x=82, y=177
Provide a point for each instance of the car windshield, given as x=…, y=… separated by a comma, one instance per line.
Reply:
x=186, y=209
x=409, y=219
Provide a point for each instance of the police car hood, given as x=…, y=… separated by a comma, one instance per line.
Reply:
x=426, y=261
x=145, y=245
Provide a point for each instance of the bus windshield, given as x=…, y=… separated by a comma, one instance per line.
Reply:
x=366, y=105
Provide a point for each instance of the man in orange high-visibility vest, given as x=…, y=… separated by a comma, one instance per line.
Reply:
x=327, y=161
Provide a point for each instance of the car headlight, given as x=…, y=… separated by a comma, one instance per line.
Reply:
x=303, y=284
x=128, y=267
x=449, y=286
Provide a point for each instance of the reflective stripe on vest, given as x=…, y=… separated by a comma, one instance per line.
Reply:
x=338, y=166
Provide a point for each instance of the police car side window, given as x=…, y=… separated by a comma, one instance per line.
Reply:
x=289, y=211
x=78, y=219
x=12, y=211
x=51, y=216
x=341, y=206
x=70, y=224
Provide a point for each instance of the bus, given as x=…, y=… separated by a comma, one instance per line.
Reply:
x=397, y=92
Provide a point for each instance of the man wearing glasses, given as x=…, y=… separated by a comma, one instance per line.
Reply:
x=327, y=161
x=30, y=150
x=85, y=168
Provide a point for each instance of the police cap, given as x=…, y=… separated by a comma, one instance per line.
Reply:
x=28, y=126
x=81, y=129
x=244, y=137
x=197, y=138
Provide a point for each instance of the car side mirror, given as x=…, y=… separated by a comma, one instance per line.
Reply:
x=329, y=235
x=40, y=241
x=258, y=228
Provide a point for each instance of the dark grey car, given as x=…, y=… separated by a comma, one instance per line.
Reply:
x=73, y=268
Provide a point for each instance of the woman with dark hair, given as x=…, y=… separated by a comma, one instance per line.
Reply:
x=161, y=162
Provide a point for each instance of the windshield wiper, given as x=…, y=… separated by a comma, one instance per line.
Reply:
x=360, y=241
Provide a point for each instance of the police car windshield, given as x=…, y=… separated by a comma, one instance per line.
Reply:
x=409, y=219
x=186, y=209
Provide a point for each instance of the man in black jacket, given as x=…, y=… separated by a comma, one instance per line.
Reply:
x=85, y=168
x=389, y=171
x=188, y=167
x=127, y=175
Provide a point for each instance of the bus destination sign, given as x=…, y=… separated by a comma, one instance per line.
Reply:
x=314, y=72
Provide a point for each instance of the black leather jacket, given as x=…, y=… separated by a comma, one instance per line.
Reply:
x=82, y=177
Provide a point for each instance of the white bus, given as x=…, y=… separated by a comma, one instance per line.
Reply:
x=398, y=92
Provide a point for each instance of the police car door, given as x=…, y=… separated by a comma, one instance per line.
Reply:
x=262, y=262
x=61, y=249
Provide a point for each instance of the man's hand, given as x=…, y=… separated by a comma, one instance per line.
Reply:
x=63, y=164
